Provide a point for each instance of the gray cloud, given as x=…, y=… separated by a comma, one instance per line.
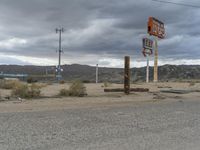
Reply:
x=101, y=29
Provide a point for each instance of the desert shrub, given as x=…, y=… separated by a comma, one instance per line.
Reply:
x=77, y=88
x=31, y=80
x=26, y=91
x=9, y=84
x=34, y=91
x=49, y=83
x=106, y=84
x=40, y=85
x=20, y=91
x=64, y=92
x=191, y=83
x=62, y=81
x=86, y=81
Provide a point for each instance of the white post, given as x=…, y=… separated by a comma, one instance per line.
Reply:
x=97, y=70
x=147, y=70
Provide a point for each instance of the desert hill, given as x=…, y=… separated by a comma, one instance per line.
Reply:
x=87, y=73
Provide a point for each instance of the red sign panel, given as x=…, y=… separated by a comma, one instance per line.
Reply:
x=156, y=27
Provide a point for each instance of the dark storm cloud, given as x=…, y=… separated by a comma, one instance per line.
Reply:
x=106, y=28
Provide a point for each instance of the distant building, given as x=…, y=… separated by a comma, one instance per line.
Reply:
x=13, y=76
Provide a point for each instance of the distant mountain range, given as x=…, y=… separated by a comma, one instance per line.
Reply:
x=87, y=73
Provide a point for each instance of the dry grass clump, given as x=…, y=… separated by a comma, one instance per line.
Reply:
x=107, y=84
x=62, y=81
x=41, y=85
x=31, y=80
x=191, y=83
x=77, y=88
x=64, y=92
x=27, y=91
x=9, y=84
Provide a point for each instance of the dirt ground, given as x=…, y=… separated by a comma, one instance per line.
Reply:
x=97, y=97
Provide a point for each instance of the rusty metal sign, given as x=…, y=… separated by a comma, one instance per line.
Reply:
x=156, y=28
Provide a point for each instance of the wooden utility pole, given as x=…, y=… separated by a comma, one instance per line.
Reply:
x=127, y=75
x=59, y=70
x=156, y=61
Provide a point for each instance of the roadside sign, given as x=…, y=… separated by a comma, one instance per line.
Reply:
x=147, y=43
x=156, y=28
x=147, y=46
x=147, y=52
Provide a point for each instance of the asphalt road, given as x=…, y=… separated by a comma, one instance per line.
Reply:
x=171, y=125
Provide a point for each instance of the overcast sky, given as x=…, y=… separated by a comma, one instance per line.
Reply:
x=96, y=31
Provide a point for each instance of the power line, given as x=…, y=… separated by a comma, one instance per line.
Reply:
x=182, y=4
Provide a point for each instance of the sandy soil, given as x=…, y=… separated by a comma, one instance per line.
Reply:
x=97, y=97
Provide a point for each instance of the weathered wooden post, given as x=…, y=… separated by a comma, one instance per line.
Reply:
x=127, y=75
x=155, y=77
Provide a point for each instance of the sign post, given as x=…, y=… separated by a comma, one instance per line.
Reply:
x=147, y=51
x=157, y=29
x=147, y=71
x=155, y=79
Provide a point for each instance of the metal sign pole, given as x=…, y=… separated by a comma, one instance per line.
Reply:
x=156, y=61
x=147, y=70
x=147, y=51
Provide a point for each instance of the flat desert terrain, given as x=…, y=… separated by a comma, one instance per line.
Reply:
x=103, y=121
x=97, y=97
